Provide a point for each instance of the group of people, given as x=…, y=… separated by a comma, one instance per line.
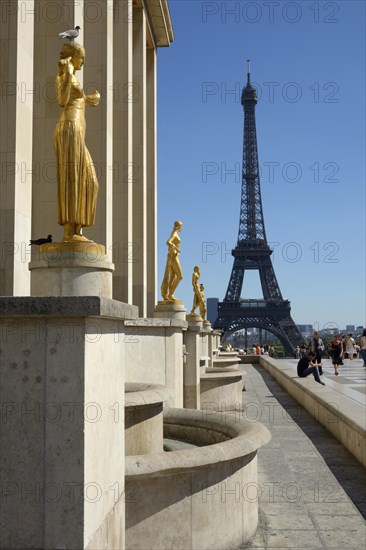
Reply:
x=257, y=349
x=311, y=362
x=265, y=349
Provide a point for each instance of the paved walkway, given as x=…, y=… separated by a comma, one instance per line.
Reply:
x=311, y=491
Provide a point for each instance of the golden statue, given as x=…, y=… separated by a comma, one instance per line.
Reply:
x=196, y=289
x=202, y=304
x=199, y=296
x=173, y=271
x=76, y=178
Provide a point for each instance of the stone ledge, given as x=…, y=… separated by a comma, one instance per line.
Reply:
x=221, y=370
x=211, y=374
x=65, y=306
x=249, y=359
x=145, y=394
x=156, y=322
x=344, y=419
x=226, y=360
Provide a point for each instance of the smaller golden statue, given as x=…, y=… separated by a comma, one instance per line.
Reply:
x=202, y=304
x=173, y=271
x=198, y=294
x=196, y=289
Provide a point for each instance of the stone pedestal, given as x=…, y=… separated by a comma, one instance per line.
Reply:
x=194, y=320
x=211, y=342
x=71, y=269
x=206, y=338
x=217, y=339
x=192, y=365
x=62, y=418
x=170, y=310
x=154, y=354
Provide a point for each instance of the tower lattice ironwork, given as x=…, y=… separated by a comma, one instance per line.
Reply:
x=272, y=313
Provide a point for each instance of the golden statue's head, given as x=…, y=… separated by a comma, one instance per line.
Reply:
x=75, y=51
x=178, y=225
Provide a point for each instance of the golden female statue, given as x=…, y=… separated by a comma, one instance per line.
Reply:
x=76, y=178
x=196, y=289
x=173, y=271
x=202, y=303
x=199, y=295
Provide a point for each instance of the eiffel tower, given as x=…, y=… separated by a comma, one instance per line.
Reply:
x=273, y=313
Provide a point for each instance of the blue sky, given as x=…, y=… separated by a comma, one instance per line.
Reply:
x=308, y=62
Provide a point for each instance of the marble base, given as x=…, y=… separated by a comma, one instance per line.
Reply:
x=170, y=310
x=71, y=269
x=194, y=320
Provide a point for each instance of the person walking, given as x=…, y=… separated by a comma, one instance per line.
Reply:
x=306, y=366
x=336, y=352
x=317, y=347
x=363, y=346
x=350, y=345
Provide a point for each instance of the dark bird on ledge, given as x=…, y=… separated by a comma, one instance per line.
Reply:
x=38, y=242
x=71, y=34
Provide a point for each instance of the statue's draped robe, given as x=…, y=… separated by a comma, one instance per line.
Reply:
x=76, y=177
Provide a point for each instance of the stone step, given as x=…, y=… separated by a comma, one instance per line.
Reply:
x=230, y=368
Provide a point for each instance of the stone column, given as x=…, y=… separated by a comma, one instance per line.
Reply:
x=139, y=162
x=16, y=111
x=210, y=347
x=217, y=339
x=123, y=246
x=174, y=364
x=192, y=365
x=62, y=422
x=98, y=74
x=151, y=181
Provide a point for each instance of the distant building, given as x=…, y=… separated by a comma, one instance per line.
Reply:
x=306, y=330
x=212, y=309
x=350, y=328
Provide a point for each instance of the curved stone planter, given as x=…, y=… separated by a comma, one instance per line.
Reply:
x=221, y=391
x=144, y=418
x=197, y=498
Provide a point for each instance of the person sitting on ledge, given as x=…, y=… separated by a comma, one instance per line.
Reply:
x=305, y=366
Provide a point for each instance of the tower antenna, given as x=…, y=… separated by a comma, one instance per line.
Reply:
x=248, y=73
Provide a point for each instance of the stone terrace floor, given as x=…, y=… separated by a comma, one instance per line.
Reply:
x=311, y=490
